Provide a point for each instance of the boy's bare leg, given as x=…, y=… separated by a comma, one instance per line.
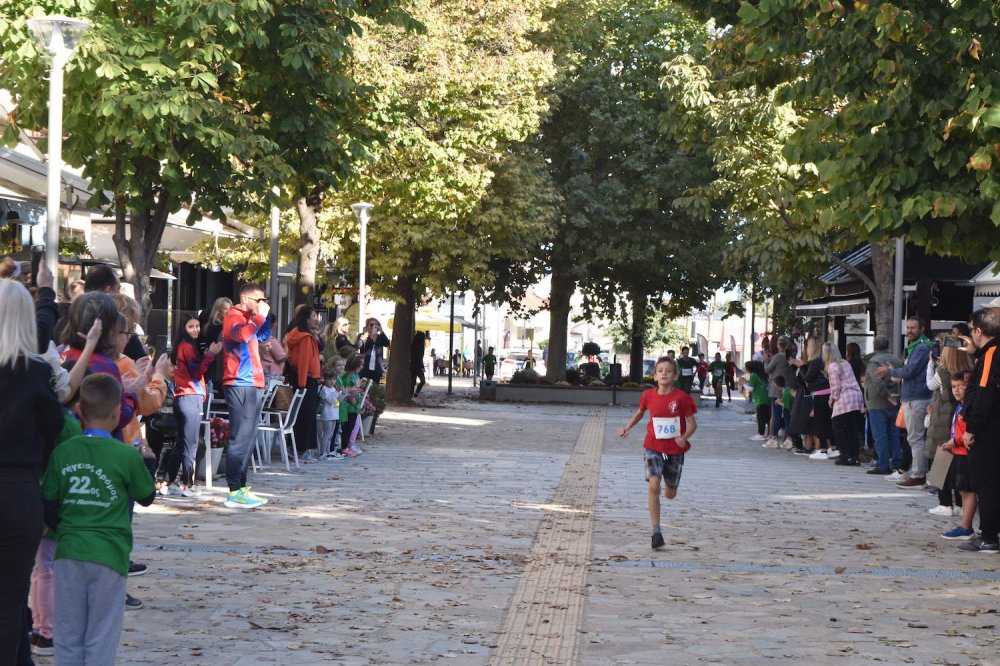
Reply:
x=654, y=502
x=668, y=492
x=969, y=505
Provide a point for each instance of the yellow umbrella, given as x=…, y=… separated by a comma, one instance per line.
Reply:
x=432, y=321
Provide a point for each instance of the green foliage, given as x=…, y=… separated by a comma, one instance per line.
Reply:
x=452, y=196
x=661, y=333
x=620, y=230
x=895, y=106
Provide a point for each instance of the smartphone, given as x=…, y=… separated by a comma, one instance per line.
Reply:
x=952, y=341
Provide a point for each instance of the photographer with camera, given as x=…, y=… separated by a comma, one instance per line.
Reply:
x=371, y=344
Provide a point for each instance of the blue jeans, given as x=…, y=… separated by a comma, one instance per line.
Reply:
x=244, y=412
x=886, y=435
x=187, y=411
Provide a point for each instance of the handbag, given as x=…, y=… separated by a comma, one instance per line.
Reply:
x=282, y=397
x=901, y=418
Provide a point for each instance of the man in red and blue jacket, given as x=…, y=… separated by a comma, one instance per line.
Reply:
x=243, y=384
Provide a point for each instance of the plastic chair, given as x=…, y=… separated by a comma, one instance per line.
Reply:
x=282, y=423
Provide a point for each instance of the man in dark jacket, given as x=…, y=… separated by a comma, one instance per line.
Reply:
x=982, y=436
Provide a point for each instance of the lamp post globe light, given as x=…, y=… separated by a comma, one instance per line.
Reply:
x=58, y=36
x=361, y=211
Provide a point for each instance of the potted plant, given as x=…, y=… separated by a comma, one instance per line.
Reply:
x=377, y=397
x=218, y=429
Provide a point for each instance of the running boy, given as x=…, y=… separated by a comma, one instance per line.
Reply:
x=87, y=487
x=668, y=432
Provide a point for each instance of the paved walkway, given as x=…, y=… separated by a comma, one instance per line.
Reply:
x=483, y=533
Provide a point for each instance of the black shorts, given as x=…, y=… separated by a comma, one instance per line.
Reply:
x=664, y=465
x=960, y=468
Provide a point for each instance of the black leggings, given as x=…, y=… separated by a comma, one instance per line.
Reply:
x=346, y=429
x=763, y=417
x=417, y=380
x=847, y=429
x=20, y=532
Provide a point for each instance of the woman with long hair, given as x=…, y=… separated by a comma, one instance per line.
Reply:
x=211, y=331
x=304, y=353
x=939, y=373
x=31, y=414
x=190, y=394
x=417, y=379
x=847, y=405
x=819, y=428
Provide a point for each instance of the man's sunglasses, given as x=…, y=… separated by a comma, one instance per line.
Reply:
x=259, y=299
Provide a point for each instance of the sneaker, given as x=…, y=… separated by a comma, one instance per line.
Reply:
x=847, y=462
x=254, y=496
x=800, y=452
x=136, y=569
x=131, y=603
x=879, y=470
x=190, y=492
x=833, y=453
x=307, y=457
x=657, y=540
x=942, y=510
x=911, y=484
x=42, y=646
x=958, y=533
x=357, y=450
x=819, y=455
x=174, y=490
x=977, y=545
x=758, y=438
x=335, y=455
x=897, y=475
x=163, y=490
x=350, y=454
x=241, y=500
x=770, y=444
x=787, y=444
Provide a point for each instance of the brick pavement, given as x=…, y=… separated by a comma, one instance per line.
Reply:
x=414, y=552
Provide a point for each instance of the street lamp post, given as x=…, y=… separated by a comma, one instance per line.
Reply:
x=362, y=210
x=59, y=36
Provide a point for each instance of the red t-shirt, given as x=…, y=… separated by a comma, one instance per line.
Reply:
x=667, y=413
x=958, y=433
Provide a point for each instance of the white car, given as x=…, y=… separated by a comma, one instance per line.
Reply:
x=514, y=361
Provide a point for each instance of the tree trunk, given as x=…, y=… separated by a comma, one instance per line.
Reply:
x=883, y=268
x=305, y=278
x=398, y=380
x=137, y=251
x=637, y=347
x=562, y=290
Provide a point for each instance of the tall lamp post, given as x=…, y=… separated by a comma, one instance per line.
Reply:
x=59, y=36
x=361, y=211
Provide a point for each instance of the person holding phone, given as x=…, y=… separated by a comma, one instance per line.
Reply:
x=371, y=344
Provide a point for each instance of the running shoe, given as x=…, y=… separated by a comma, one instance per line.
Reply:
x=241, y=499
x=977, y=545
x=42, y=646
x=959, y=533
x=942, y=510
x=136, y=569
x=833, y=453
x=770, y=444
x=819, y=455
x=758, y=438
x=657, y=540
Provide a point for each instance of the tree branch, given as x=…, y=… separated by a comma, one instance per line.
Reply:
x=855, y=272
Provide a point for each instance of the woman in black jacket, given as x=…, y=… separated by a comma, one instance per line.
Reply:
x=30, y=413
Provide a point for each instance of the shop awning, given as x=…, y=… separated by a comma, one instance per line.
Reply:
x=833, y=307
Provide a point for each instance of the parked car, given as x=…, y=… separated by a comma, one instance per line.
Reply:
x=514, y=361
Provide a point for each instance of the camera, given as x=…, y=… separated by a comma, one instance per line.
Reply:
x=952, y=341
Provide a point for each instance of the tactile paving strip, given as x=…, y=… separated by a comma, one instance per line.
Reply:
x=543, y=622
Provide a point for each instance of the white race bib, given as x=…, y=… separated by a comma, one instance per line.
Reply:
x=666, y=427
x=686, y=372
